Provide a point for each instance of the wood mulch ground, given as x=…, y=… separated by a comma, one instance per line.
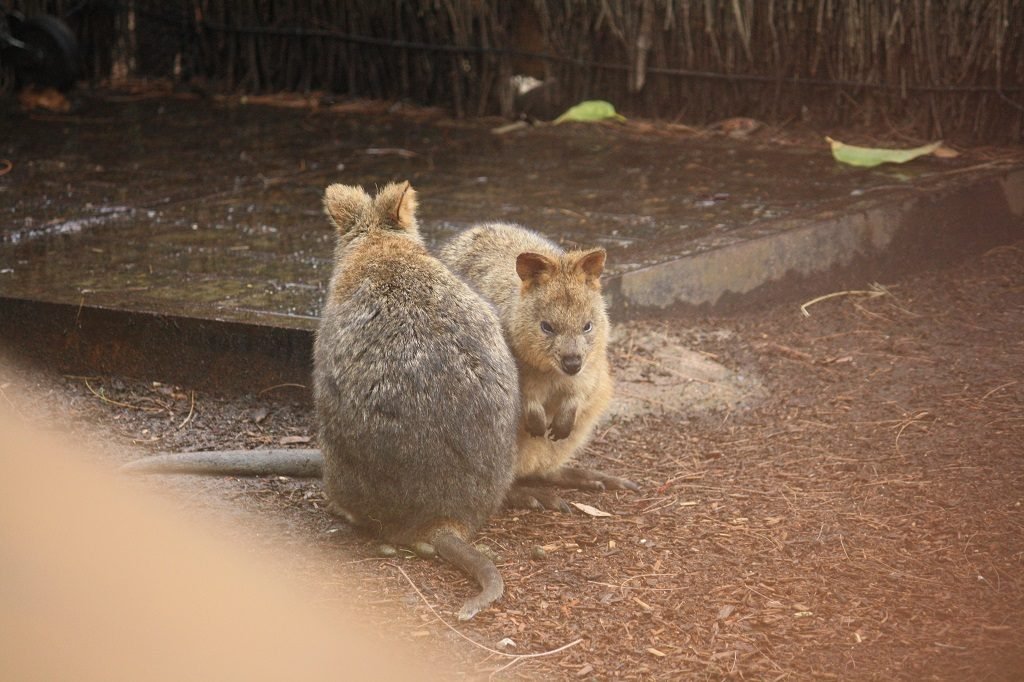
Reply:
x=863, y=520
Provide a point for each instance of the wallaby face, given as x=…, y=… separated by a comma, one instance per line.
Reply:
x=562, y=316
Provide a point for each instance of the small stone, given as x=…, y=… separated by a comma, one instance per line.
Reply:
x=387, y=551
x=538, y=553
x=424, y=550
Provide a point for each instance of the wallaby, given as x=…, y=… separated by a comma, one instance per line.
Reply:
x=554, y=318
x=415, y=390
x=414, y=387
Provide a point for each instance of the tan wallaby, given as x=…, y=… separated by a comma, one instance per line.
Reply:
x=555, y=322
x=414, y=386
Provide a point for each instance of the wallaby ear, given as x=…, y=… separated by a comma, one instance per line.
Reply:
x=591, y=264
x=531, y=267
x=344, y=205
x=396, y=205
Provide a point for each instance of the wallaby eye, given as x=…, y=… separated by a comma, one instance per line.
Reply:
x=547, y=328
x=588, y=327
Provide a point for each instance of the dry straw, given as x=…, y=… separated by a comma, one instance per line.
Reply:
x=928, y=69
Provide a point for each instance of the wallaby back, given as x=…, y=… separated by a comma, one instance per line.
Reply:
x=415, y=388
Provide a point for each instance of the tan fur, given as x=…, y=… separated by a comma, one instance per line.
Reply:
x=530, y=280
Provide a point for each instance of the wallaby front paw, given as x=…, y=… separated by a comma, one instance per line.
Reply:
x=562, y=425
x=536, y=422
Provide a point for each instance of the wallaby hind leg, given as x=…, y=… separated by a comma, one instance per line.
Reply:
x=529, y=497
x=585, y=479
x=466, y=557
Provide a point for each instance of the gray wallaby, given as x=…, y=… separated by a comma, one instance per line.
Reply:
x=415, y=389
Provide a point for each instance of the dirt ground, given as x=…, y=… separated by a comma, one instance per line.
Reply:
x=857, y=515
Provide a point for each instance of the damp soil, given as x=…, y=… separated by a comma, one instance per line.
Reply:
x=860, y=515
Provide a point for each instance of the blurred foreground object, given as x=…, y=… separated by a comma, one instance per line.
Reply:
x=102, y=582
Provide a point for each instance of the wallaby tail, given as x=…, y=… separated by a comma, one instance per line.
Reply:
x=466, y=557
x=304, y=463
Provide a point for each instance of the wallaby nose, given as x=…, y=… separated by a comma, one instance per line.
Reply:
x=571, y=364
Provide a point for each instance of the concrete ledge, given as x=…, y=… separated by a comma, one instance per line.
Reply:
x=787, y=260
x=803, y=257
x=223, y=357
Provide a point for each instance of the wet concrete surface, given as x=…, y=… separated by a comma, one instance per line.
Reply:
x=212, y=210
x=182, y=208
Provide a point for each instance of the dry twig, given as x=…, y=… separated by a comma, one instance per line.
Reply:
x=10, y=402
x=191, y=411
x=874, y=291
x=516, y=658
x=276, y=386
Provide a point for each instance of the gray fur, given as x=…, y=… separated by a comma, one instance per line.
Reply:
x=416, y=392
x=298, y=463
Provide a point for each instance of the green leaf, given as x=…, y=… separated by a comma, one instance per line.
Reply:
x=591, y=110
x=869, y=157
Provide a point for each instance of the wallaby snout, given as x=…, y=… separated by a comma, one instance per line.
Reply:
x=572, y=364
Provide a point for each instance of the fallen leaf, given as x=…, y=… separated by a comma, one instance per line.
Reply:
x=390, y=151
x=294, y=440
x=591, y=511
x=739, y=126
x=652, y=650
x=725, y=611
x=869, y=157
x=589, y=111
x=505, y=643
